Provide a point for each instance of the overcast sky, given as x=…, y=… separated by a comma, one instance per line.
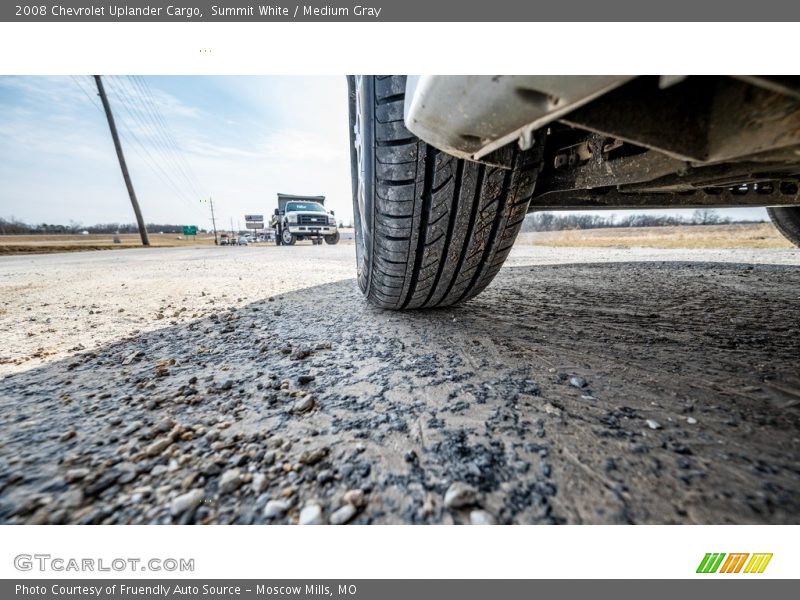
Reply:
x=238, y=139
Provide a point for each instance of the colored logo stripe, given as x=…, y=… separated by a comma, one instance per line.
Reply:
x=758, y=563
x=733, y=564
x=710, y=562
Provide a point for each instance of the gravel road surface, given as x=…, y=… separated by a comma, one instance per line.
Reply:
x=253, y=385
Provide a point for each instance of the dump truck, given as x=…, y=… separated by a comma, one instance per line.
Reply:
x=303, y=218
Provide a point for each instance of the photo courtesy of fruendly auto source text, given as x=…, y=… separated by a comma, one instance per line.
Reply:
x=546, y=277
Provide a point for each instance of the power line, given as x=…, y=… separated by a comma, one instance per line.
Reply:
x=144, y=154
x=139, y=119
x=87, y=94
x=140, y=149
x=153, y=161
x=148, y=94
x=164, y=139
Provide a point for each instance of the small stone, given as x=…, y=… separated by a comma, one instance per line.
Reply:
x=127, y=472
x=133, y=356
x=72, y=499
x=238, y=460
x=303, y=405
x=355, y=497
x=551, y=409
x=653, y=424
x=691, y=421
x=312, y=457
x=259, y=483
x=185, y=502
x=481, y=517
x=132, y=427
x=324, y=476
x=458, y=495
x=275, y=508
x=304, y=379
x=157, y=447
x=165, y=425
x=343, y=514
x=188, y=480
x=102, y=483
x=300, y=353
x=211, y=469
x=578, y=382
x=230, y=481
x=311, y=515
x=76, y=474
x=67, y=435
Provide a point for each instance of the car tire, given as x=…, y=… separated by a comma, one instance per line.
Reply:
x=332, y=239
x=787, y=220
x=287, y=238
x=430, y=229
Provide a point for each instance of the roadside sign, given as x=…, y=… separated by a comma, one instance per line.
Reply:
x=190, y=230
x=254, y=221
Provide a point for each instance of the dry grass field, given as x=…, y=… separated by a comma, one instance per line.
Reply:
x=755, y=235
x=28, y=244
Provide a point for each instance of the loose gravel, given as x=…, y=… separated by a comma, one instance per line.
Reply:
x=254, y=385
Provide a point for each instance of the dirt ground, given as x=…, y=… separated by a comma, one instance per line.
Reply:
x=254, y=385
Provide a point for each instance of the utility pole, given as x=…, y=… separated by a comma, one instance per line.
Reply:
x=122, y=164
x=213, y=220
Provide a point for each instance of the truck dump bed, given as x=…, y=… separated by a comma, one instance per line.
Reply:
x=284, y=198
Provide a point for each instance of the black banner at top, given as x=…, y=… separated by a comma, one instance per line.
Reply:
x=399, y=11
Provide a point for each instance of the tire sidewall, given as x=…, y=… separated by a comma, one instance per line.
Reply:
x=786, y=220
x=363, y=137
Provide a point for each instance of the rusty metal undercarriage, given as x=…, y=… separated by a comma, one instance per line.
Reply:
x=658, y=142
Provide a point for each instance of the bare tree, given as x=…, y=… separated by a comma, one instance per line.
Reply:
x=705, y=216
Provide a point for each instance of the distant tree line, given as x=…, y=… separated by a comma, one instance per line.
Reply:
x=14, y=226
x=539, y=221
x=547, y=221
